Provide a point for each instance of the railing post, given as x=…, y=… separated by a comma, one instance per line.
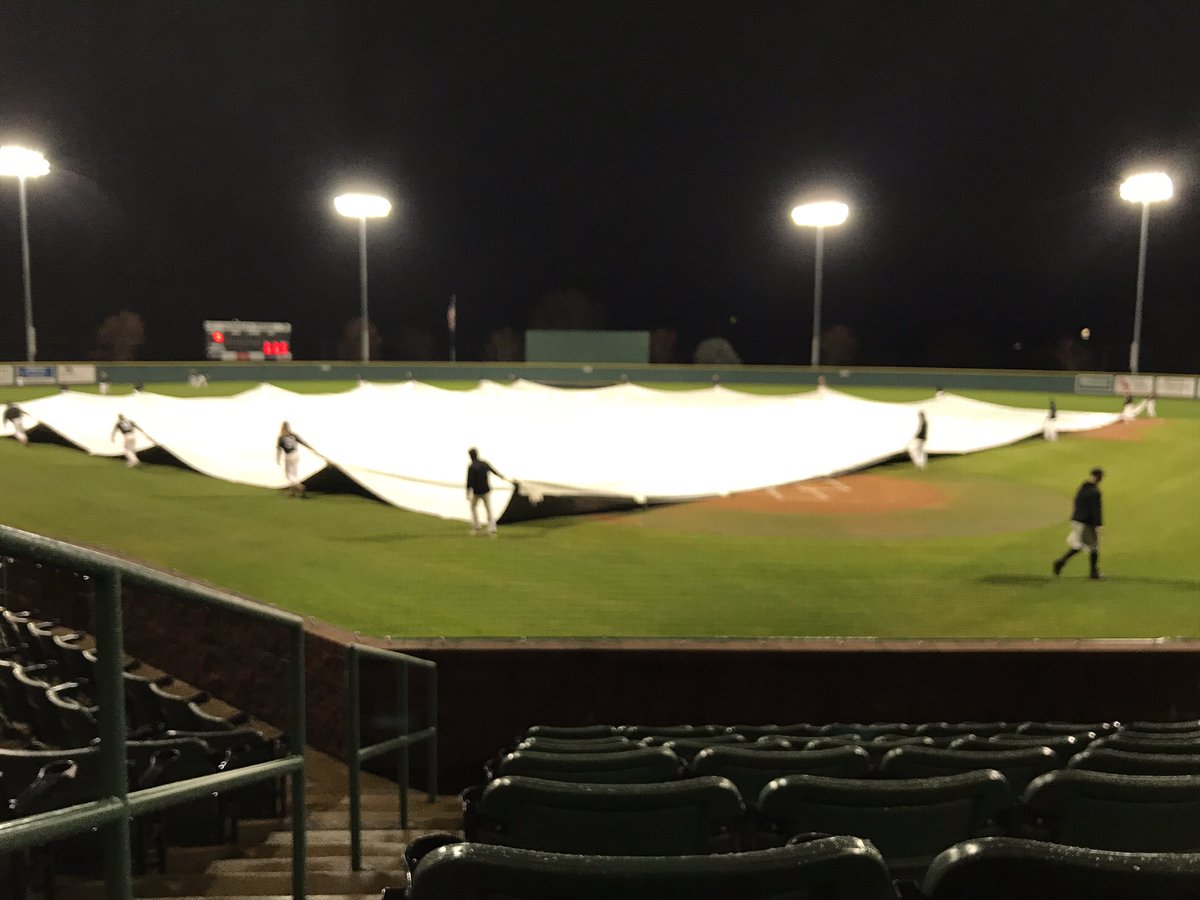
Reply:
x=402, y=762
x=353, y=745
x=298, y=737
x=110, y=697
x=431, y=707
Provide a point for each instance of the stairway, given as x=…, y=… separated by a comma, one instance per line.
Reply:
x=260, y=865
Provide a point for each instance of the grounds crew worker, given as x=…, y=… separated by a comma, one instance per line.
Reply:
x=1086, y=520
x=479, y=489
x=12, y=415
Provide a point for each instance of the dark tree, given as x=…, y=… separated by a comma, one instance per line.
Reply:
x=119, y=336
x=350, y=346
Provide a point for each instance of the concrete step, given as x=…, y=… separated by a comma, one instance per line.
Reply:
x=393, y=849
x=315, y=864
x=258, y=883
x=378, y=819
x=341, y=836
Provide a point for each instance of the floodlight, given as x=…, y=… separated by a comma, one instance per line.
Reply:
x=362, y=206
x=821, y=214
x=21, y=163
x=1147, y=187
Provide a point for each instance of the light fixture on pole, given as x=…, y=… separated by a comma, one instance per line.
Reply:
x=21, y=164
x=1144, y=188
x=363, y=207
x=820, y=216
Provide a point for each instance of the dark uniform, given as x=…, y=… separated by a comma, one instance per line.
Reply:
x=479, y=490
x=1087, y=515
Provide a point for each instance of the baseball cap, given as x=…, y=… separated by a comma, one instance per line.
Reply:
x=1098, y=472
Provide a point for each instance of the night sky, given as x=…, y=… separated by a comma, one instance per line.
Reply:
x=646, y=153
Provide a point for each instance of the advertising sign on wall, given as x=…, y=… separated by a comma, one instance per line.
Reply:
x=1138, y=385
x=1175, y=386
x=6, y=375
x=34, y=375
x=77, y=374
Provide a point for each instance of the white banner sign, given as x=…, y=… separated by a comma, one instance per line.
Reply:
x=77, y=374
x=1175, y=386
x=6, y=375
x=1138, y=385
x=1093, y=384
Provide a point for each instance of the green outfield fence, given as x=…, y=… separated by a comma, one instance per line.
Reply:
x=111, y=811
x=591, y=375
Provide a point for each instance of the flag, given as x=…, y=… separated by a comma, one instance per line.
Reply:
x=452, y=313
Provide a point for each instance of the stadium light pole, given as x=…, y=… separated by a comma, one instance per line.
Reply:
x=820, y=215
x=20, y=163
x=363, y=207
x=1144, y=188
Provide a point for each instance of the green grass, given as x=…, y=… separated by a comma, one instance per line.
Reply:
x=371, y=568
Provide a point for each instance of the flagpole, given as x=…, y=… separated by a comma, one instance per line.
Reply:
x=452, y=321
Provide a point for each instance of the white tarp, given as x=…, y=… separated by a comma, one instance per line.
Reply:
x=407, y=442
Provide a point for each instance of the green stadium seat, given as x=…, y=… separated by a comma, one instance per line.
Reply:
x=1065, y=745
x=1148, y=745
x=638, y=732
x=640, y=766
x=1019, y=767
x=866, y=731
x=1097, y=728
x=1116, y=812
x=696, y=816
x=910, y=820
x=999, y=868
x=752, y=769
x=588, y=745
x=571, y=732
x=1165, y=727
x=876, y=749
x=948, y=729
x=1182, y=736
x=835, y=868
x=1124, y=762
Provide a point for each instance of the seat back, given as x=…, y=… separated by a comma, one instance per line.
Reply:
x=1164, y=727
x=696, y=816
x=1149, y=745
x=1065, y=745
x=835, y=868
x=641, y=766
x=1118, y=812
x=997, y=868
x=1098, y=728
x=946, y=729
x=571, y=732
x=638, y=732
x=76, y=719
x=910, y=821
x=19, y=769
x=1019, y=767
x=577, y=745
x=1124, y=762
x=876, y=749
x=865, y=731
x=751, y=770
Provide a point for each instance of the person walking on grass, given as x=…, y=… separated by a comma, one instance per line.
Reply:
x=1050, y=426
x=1086, y=519
x=128, y=429
x=916, y=447
x=479, y=490
x=13, y=416
x=288, y=448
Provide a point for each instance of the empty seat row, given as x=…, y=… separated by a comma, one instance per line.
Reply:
x=831, y=868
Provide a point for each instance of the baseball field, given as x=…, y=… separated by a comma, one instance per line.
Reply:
x=962, y=549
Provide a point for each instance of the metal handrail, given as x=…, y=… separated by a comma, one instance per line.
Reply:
x=357, y=754
x=111, y=811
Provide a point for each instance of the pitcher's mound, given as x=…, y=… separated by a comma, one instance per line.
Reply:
x=848, y=494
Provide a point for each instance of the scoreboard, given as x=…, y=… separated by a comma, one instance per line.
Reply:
x=236, y=340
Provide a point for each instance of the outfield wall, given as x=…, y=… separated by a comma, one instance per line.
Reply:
x=491, y=690
x=586, y=375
